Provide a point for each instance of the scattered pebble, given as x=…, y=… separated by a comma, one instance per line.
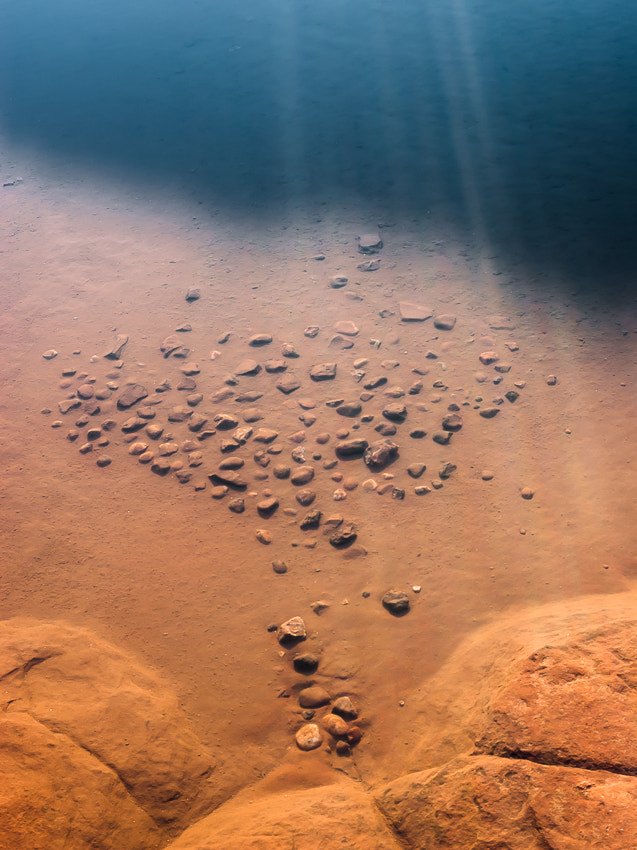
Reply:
x=527, y=493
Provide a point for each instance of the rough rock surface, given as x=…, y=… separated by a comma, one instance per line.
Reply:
x=100, y=738
x=485, y=801
x=43, y=771
x=572, y=703
x=330, y=817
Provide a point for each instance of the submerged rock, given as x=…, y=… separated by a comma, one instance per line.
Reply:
x=396, y=602
x=308, y=737
x=379, y=454
x=291, y=631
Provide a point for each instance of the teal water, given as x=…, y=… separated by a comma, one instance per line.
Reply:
x=515, y=120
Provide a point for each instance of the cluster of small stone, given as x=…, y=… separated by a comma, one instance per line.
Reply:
x=157, y=446
x=323, y=715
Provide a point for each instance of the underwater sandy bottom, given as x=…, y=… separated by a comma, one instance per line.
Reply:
x=169, y=573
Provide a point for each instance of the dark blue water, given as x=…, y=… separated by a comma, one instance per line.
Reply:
x=516, y=119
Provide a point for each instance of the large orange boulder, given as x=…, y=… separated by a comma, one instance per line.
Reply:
x=101, y=738
x=484, y=801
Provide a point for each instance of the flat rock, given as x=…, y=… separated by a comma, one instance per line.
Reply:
x=338, y=281
x=346, y=327
x=134, y=423
x=180, y=413
x=115, y=351
x=265, y=435
x=169, y=345
x=346, y=449
x=131, y=395
x=249, y=397
x=225, y=421
x=247, y=367
x=266, y=507
x=323, y=372
x=314, y=697
x=257, y=340
x=412, y=312
x=489, y=412
x=253, y=414
x=395, y=412
x=369, y=243
x=69, y=404
x=351, y=409
x=501, y=323
x=221, y=395
x=488, y=357
x=288, y=383
x=273, y=367
x=369, y=266
x=228, y=478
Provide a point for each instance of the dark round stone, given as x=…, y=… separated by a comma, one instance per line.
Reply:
x=306, y=663
x=396, y=602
